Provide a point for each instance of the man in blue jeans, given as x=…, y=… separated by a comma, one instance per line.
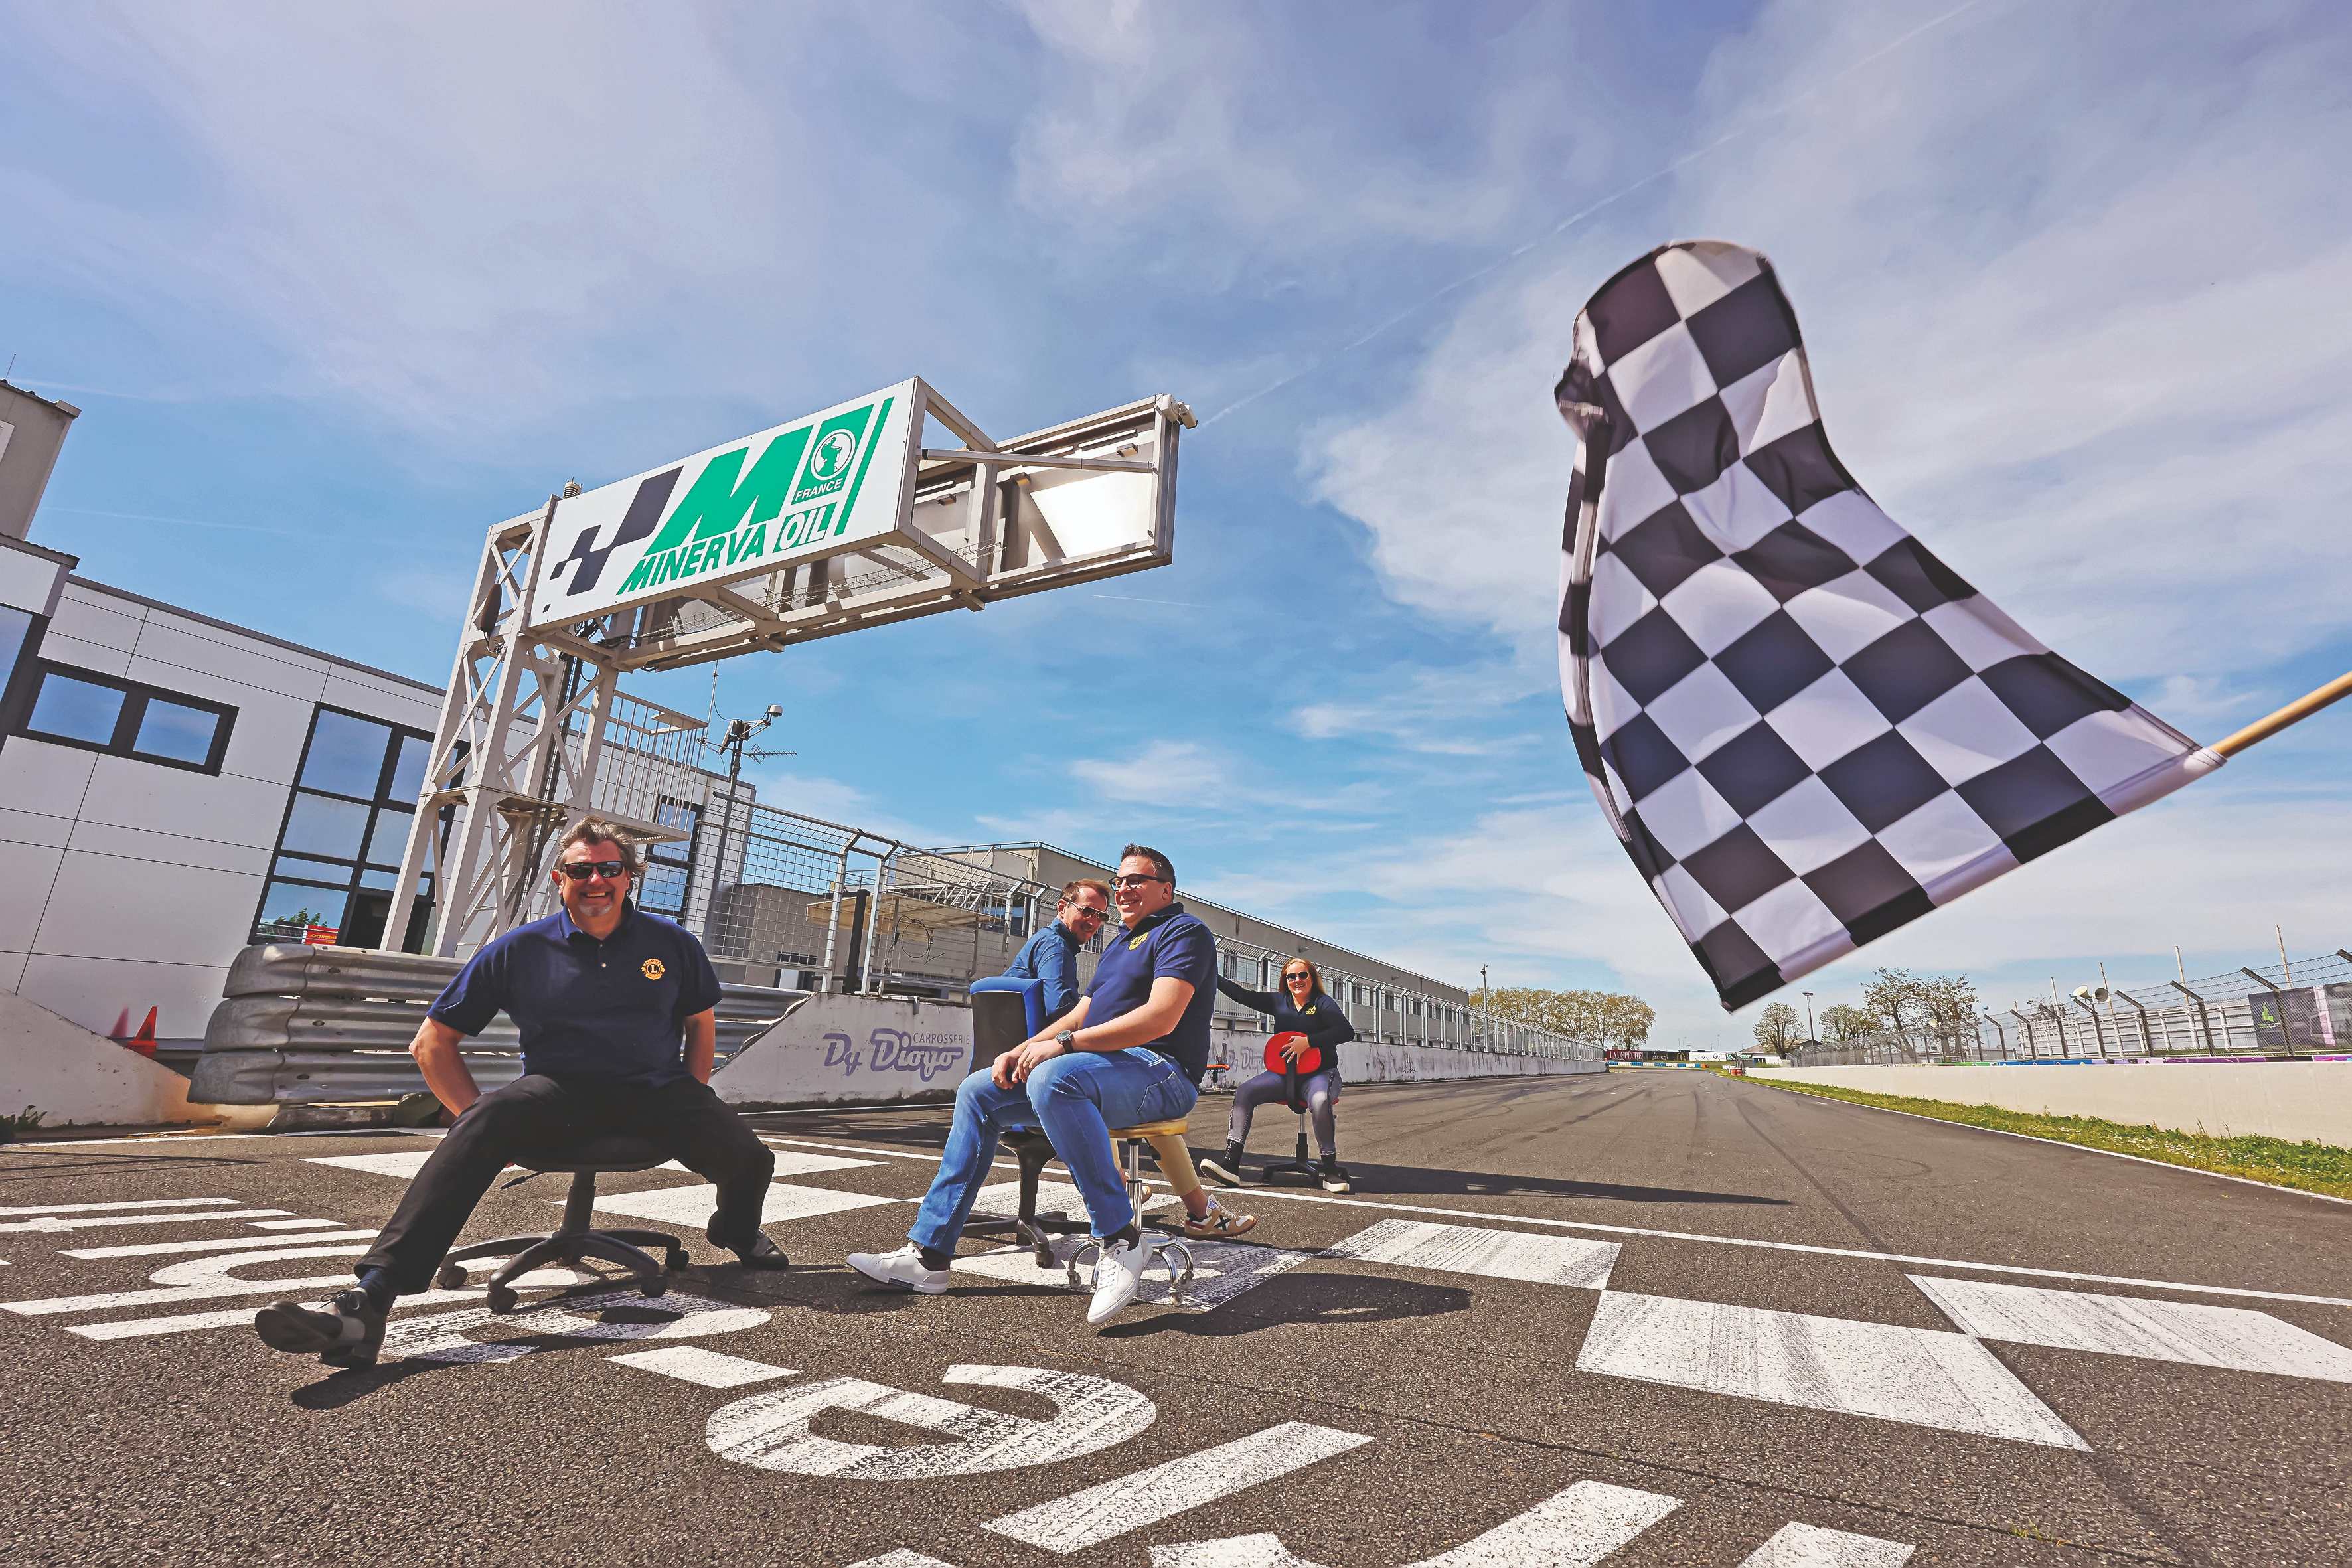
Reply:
x=1133, y=1051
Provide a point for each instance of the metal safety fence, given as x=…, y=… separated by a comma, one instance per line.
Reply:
x=2295, y=1006
x=796, y=902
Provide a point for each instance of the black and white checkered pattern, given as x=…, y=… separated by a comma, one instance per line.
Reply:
x=1805, y=728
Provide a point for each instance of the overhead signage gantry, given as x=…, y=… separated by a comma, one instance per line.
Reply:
x=875, y=510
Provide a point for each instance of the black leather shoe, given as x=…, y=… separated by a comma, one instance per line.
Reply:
x=761, y=1254
x=1225, y=1169
x=349, y=1333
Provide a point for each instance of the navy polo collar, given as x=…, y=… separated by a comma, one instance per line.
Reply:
x=1131, y=933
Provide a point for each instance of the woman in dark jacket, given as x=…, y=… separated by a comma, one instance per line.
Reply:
x=1300, y=1007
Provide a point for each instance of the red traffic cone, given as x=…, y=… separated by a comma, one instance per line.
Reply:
x=122, y=1030
x=143, y=1042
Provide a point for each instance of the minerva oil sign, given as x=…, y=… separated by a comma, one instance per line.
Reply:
x=801, y=490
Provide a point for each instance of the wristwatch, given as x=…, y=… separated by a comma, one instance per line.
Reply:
x=1067, y=1040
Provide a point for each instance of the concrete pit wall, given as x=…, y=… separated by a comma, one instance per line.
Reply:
x=2299, y=1102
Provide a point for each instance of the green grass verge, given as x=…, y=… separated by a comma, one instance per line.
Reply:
x=2310, y=1167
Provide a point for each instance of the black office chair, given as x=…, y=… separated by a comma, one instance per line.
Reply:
x=577, y=1237
x=1006, y=1011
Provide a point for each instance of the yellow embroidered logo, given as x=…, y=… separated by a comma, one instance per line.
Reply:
x=1135, y=942
x=653, y=969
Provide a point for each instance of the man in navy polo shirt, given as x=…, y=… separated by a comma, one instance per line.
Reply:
x=604, y=996
x=1133, y=1051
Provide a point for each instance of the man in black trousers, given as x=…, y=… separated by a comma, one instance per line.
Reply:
x=604, y=995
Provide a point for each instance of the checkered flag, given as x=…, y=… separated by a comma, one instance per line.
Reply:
x=1805, y=728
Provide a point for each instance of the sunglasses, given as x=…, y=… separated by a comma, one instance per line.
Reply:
x=580, y=870
x=1125, y=883
x=1086, y=911
x=1300, y=974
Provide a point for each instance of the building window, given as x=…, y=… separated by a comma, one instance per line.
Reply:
x=345, y=830
x=669, y=866
x=71, y=707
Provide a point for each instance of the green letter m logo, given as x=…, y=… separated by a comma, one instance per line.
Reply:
x=718, y=503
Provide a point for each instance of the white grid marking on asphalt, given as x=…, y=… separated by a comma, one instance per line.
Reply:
x=1222, y=1271
x=694, y=1204
x=1377, y=1205
x=1570, y=1529
x=1100, y=1513
x=119, y=1206
x=1004, y=1197
x=293, y=1224
x=2198, y=1335
x=225, y=1244
x=1928, y=1377
x=404, y=1163
x=1810, y=1546
x=1474, y=1249
x=242, y=1316
x=692, y=1363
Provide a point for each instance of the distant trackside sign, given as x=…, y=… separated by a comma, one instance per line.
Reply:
x=804, y=490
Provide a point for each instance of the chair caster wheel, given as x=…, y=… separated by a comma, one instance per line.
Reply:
x=451, y=1277
x=675, y=1259
x=501, y=1300
x=652, y=1285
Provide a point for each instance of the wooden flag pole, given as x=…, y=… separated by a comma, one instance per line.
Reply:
x=2300, y=709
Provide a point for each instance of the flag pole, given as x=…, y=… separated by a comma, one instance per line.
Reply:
x=2300, y=709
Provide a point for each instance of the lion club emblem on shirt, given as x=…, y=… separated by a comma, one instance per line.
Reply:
x=653, y=969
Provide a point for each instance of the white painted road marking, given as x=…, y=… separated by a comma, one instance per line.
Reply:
x=403, y=1164
x=200, y=1279
x=692, y=1363
x=1377, y=1205
x=1473, y=1249
x=902, y=1558
x=1928, y=1377
x=444, y=1336
x=1570, y=1529
x=1004, y=1197
x=294, y=1223
x=44, y=1225
x=693, y=1206
x=224, y=1244
x=1111, y=1509
x=771, y=1431
x=2198, y=1335
x=118, y=1208
x=1810, y=1546
x=242, y=1316
x=1222, y=1270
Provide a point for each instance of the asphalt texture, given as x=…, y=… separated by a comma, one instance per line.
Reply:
x=1465, y=1410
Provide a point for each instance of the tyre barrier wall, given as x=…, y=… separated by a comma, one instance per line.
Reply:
x=307, y=1025
x=1362, y=1062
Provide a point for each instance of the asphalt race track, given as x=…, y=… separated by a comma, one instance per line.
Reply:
x=1646, y=1318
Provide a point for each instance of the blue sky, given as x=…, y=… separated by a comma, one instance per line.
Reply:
x=341, y=287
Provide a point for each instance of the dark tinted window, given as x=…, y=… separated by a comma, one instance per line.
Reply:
x=346, y=755
x=175, y=731
x=75, y=709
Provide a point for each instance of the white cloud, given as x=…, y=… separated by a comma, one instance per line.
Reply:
x=1164, y=772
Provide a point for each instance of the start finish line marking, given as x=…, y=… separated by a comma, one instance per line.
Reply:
x=1379, y=1205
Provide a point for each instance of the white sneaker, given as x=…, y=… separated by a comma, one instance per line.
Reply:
x=904, y=1269
x=1119, y=1275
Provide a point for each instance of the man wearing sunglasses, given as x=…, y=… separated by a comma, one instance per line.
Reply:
x=1133, y=1051
x=616, y=1010
x=1052, y=955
